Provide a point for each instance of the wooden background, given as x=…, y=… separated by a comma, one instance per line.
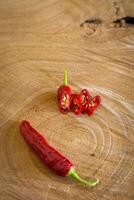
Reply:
x=38, y=40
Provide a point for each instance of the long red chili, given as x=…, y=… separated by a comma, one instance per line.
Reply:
x=50, y=156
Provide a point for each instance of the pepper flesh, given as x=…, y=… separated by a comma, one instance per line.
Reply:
x=85, y=99
x=50, y=156
x=64, y=96
x=76, y=104
x=93, y=104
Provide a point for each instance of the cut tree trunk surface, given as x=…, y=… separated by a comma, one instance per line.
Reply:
x=94, y=41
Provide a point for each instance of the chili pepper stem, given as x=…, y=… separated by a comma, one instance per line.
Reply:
x=91, y=183
x=65, y=77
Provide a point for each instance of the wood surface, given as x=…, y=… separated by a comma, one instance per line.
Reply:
x=39, y=39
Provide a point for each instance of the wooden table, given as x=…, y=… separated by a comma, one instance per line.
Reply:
x=38, y=41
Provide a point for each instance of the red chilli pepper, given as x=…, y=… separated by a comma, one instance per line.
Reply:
x=76, y=104
x=93, y=105
x=85, y=99
x=50, y=156
x=64, y=96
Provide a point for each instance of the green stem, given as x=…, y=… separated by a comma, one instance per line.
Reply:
x=91, y=183
x=65, y=77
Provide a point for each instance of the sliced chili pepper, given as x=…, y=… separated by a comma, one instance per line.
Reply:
x=93, y=104
x=85, y=99
x=50, y=156
x=64, y=96
x=76, y=104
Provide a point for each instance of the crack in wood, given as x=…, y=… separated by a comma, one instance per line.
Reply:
x=91, y=25
x=95, y=21
x=124, y=21
x=117, y=8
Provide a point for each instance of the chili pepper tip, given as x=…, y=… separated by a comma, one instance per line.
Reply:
x=90, y=183
x=65, y=77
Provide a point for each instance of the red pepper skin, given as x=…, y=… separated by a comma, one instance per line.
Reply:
x=93, y=105
x=76, y=104
x=85, y=99
x=64, y=98
x=51, y=157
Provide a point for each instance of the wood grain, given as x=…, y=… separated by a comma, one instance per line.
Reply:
x=38, y=40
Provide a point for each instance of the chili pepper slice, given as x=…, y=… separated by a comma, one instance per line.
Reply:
x=64, y=96
x=93, y=104
x=76, y=104
x=50, y=156
x=85, y=99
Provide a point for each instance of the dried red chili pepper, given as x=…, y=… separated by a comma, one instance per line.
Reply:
x=85, y=99
x=93, y=104
x=76, y=104
x=64, y=96
x=50, y=156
